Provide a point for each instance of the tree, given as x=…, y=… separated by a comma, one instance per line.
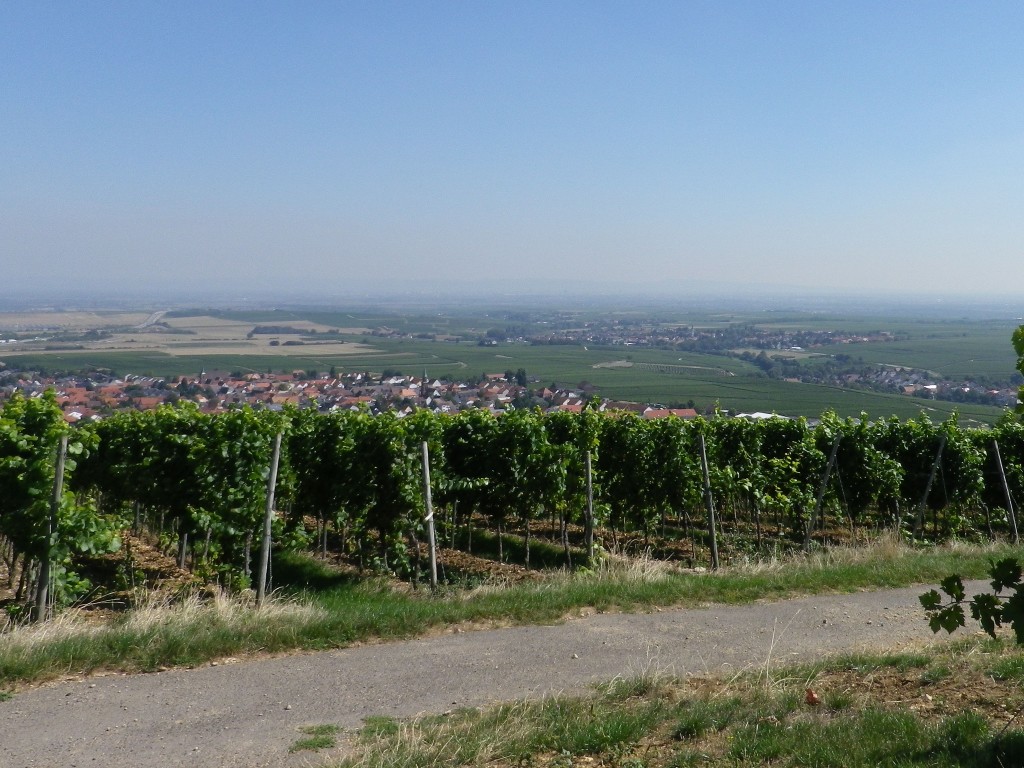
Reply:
x=1018, y=345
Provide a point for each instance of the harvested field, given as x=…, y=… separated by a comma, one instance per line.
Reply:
x=20, y=322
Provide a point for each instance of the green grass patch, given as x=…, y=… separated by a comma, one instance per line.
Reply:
x=379, y=726
x=316, y=737
x=936, y=674
x=1011, y=668
x=697, y=718
x=902, y=662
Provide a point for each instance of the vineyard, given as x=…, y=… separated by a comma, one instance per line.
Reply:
x=425, y=496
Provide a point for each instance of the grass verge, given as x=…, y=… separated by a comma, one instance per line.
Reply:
x=316, y=737
x=866, y=711
x=321, y=608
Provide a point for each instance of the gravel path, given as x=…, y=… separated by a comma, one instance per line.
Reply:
x=247, y=714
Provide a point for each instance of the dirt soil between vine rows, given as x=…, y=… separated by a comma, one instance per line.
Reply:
x=248, y=713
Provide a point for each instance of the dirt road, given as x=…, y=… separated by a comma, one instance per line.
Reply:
x=247, y=714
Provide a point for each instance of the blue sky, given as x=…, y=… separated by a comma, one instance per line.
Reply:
x=842, y=146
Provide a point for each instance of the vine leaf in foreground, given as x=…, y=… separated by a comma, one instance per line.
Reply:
x=990, y=609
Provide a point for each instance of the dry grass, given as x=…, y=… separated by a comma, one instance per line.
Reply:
x=75, y=622
x=155, y=610
x=612, y=569
x=637, y=569
x=885, y=547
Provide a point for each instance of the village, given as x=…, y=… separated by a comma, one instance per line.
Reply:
x=92, y=396
x=830, y=358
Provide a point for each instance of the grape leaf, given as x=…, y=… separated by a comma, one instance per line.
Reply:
x=954, y=587
x=1005, y=574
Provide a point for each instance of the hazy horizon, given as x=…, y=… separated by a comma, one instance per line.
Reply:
x=494, y=299
x=670, y=149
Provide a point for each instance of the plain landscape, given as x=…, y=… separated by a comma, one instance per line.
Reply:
x=512, y=403
x=522, y=385
x=798, y=361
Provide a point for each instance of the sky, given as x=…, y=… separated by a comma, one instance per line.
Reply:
x=849, y=146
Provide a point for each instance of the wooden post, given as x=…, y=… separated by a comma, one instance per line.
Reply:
x=821, y=491
x=919, y=520
x=268, y=516
x=709, y=502
x=588, y=523
x=43, y=592
x=429, y=506
x=1006, y=490
x=182, y=544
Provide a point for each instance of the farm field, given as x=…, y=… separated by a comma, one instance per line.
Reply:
x=982, y=351
x=549, y=364
x=186, y=342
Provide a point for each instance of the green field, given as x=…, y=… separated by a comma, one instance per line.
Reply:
x=959, y=353
x=958, y=349
x=707, y=383
x=416, y=320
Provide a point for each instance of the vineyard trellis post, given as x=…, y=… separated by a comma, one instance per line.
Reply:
x=821, y=491
x=1006, y=490
x=45, y=566
x=268, y=515
x=709, y=501
x=588, y=530
x=919, y=519
x=429, y=508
